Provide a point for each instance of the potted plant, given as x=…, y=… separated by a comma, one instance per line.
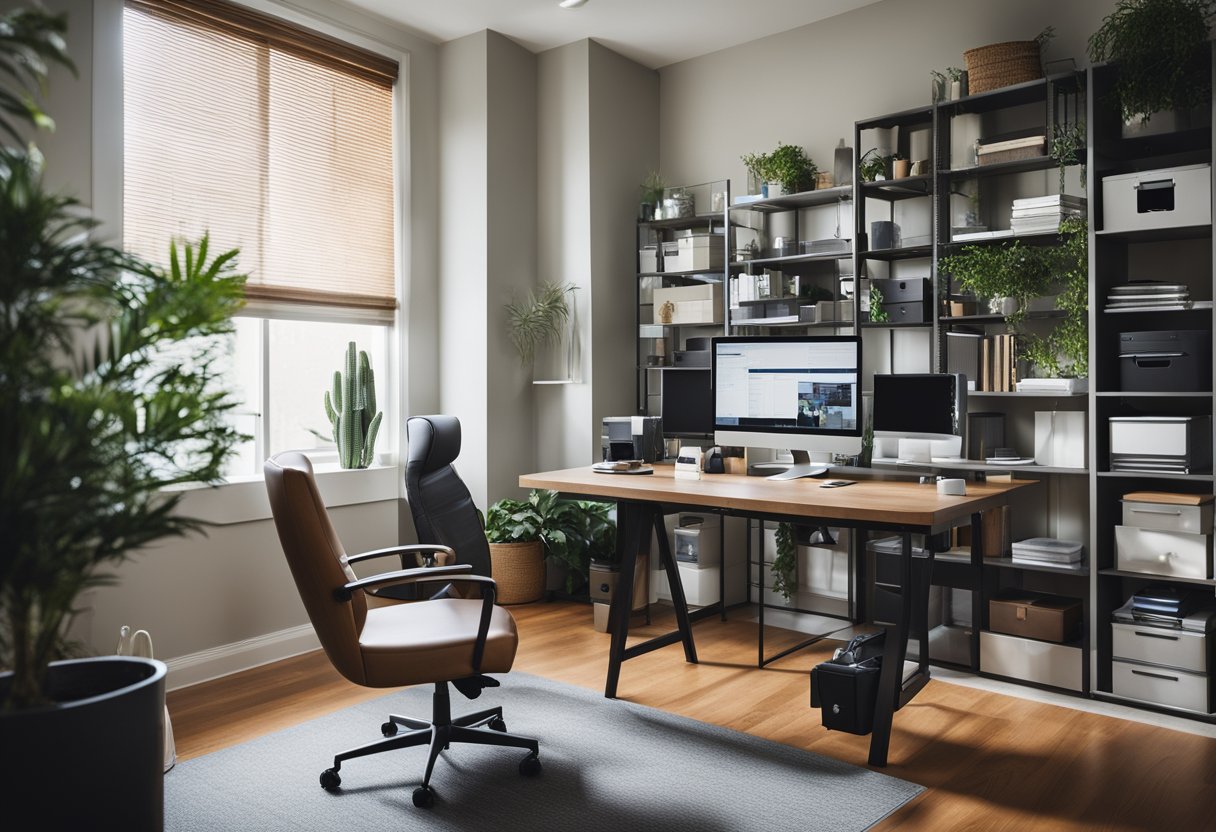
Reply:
x=539, y=318
x=652, y=188
x=900, y=166
x=351, y=409
x=958, y=82
x=874, y=166
x=544, y=526
x=786, y=170
x=98, y=422
x=1159, y=47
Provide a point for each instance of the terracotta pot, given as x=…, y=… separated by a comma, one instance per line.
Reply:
x=901, y=168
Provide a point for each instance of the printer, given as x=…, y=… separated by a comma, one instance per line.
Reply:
x=632, y=437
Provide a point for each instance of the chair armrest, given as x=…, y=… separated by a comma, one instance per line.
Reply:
x=404, y=576
x=398, y=550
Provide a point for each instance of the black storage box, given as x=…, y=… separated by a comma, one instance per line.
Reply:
x=1165, y=361
x=908, y=301
x=845, y=689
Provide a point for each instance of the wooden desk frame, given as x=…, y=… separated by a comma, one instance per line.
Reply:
x=640, y=509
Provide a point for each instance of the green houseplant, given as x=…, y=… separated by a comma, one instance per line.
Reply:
x=569, y=532
x=109, y=393
x=874, y=165
x=787, y=165
x=652, y=189
x=538, y=318
x=784, y=567
x=1158, y=46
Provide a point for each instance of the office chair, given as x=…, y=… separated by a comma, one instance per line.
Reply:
x=443, y=509
x=437, y=641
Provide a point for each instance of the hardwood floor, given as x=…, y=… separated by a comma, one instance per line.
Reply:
x=990, y=762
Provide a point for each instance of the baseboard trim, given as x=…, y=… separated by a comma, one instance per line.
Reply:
x=226, y=659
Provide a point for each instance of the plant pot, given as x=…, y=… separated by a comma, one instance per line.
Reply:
x=773, y=189
x=901, y=168
x=519, y=571
x=95, y=759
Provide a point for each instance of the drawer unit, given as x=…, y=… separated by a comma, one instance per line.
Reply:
x=1160, y=685
x=1179, y=649
x=1163, y=198
x=912, y=312
x=1167, y=517
x=1025, y=659
x=1177, y=361
x=1169, y=444
x=1172, y=554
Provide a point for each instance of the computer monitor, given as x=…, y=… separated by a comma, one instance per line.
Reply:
x=800, y=393
x=688, y=403
x=919, y=417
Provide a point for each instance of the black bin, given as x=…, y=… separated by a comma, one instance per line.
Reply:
x=845, y=689
x=1164, y=361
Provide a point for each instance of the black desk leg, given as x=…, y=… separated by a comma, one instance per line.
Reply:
x=677, y=587
x=628, y=543
x=890, y=678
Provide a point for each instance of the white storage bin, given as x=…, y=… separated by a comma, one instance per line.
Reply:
x=1171, y=444
x=671, y=257
x=1160, y=685
x=1168, y=517
x=1164, y=198
x=1172, y=554
x=694, y=542
x=1160, y=645
x=701, y=251
x=648, y=259
x=1041, y=662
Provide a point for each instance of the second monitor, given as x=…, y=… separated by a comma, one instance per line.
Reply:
x=919, y=417
x=800, y=393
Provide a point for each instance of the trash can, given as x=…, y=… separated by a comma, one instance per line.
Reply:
x=845, y=688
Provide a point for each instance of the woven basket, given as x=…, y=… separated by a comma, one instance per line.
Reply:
x=519, y=571
x=1002, y=64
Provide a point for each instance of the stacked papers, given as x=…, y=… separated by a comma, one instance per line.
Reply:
x=1053, y=385
x=1146, y=295
x=1047, y=550
x=1040, y=214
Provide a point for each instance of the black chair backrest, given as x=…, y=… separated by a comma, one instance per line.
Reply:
x=441, y=504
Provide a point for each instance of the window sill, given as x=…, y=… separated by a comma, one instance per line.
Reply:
x=244, y=500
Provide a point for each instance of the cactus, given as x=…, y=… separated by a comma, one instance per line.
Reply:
x=349, y=407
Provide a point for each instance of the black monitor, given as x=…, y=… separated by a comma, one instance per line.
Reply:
x=688, y=405
x=931, y=407
x=801, y=393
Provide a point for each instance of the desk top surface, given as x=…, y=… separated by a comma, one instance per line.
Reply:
x=867, y=501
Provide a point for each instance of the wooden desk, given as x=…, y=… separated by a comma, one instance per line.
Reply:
x=906, y=508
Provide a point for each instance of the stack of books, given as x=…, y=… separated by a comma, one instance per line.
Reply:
x=1147, y=296
x=1047, y=551
x=988, y=361
x=1043, y=214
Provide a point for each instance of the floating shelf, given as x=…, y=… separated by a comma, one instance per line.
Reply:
x=805, y=199
x=685, y=222
x=972, y=394
x=1144, y=576
x=904, y=253
x=1030, y=165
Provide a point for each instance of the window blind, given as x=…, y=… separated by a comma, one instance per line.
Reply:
x=272, y=139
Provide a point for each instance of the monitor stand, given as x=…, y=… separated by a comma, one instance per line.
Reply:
x=802, y=467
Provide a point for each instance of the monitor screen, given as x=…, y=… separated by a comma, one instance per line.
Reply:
x=793, y=386
x=688, y=406
x=918, y=404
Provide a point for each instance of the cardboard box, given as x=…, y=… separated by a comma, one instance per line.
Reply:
x=1036, y=615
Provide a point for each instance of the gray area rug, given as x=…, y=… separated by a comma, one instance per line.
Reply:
x=608, y=765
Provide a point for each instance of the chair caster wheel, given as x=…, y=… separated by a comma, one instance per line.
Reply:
x=497, y=724
x=529, y=766
x=330, y=781
x=424, y=797
x=389, y=729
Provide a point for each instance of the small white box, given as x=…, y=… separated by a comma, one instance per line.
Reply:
x=1172, y=554
x=1182, y=649
x=1059, y=438
x=648, y=259
x=1044, y=663
x=701, y=251
x=825, y=310
x=1160, y=685
x=671, y=257
x=1163, y=198
x=1168, y=517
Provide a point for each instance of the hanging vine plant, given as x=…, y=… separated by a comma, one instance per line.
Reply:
x=785, y=563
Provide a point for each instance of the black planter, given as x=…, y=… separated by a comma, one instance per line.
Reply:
x=95, y=760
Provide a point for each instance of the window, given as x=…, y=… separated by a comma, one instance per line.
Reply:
x=277, y=141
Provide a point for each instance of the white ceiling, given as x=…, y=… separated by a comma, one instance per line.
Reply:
x=652, y=32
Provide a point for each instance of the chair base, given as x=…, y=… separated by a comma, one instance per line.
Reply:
x=481, y=728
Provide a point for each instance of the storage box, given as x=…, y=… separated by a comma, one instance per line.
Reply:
x=696, y=251
x=1161, y=685
x=1159, y=511
x=1034, y=615
x=825, y=310
x=1028, y=660
x=906, y=301
x=1059, y=438
x=1160, y=646
x=1163, y=198
x=648, y=259
x=671, y=256
x=1177, y=361
x=1172, y=554
x=1168, y=444
x=699, y=304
